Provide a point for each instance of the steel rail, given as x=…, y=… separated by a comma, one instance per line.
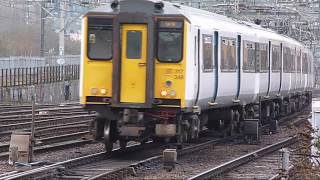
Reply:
x=50, y=171
x=121, y=173
x=20, y=119
x=54, y=146
x=27, y=106
x=129, y=170
x=60, y=108
x=228, y=166
x=126, y=171
x=5, y=136
x=38, y=104
x=27, y=114
x=49, y=140
x=47, y=122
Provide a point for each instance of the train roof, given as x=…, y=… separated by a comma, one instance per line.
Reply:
x=193, y=15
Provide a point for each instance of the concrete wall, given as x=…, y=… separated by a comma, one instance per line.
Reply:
x=52, y=93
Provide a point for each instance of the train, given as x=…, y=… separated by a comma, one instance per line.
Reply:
x=163, y=71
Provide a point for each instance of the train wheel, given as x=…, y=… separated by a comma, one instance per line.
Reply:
x=108, y=140
x=98, y=126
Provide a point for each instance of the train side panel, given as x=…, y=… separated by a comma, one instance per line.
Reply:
x=175, y=73
x=96, y=75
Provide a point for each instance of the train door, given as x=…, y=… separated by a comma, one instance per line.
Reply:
x=207, y=64
x=269, y=68
x=133, y=63
x=197, y=62
x=299, y=74
x=275, y=70
x=281, y=67
x=228, y=72
x=215, y=60
x=238, y=65
x=293, y=71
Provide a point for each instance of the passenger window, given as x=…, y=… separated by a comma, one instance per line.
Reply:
x=264, y=57
x=207, y=53
x=249, y=56
x=276, y=65
x=228, y=54
x=99, y=38
x=134, y=44
x=286, y=60
x=305, y=63
x=170, y=41
x=309, y=59
x=293, y=62
x=299, y=61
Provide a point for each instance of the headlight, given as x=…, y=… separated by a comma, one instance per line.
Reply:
x=173, y=93
x=164, y=93
x=103, y=91
x=94, y=91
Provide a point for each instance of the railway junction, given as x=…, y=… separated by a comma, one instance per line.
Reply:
x=151, y=89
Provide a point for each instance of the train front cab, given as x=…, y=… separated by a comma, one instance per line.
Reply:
x=133, y=75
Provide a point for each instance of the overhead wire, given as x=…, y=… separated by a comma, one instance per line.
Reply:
x=17, y=8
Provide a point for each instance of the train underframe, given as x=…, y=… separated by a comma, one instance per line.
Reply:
x=173, y=125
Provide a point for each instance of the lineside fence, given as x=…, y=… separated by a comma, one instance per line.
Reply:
x=44, y=78
x=16, y=77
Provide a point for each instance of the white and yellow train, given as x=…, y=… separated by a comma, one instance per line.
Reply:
x=155, y=69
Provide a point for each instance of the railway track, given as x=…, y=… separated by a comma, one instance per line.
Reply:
x=56, y=142
x=231, y=165
x=17, y=112
x=261, y=168
x=54, y=170
x=264, y=163
x=56, y=126
x=8, y=120
x=48, y=122
x=130, y=169
x=45, y=118
x=49, y=140
x=99, y=166
x=230, y=152
x=47, y=131
x=13, y=107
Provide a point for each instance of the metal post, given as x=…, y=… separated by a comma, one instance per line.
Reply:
x=37, y=75
x=30, y=76
x=32, y=125
x=26, y=77
x=42, y=28
x=14, y=77
x=2, y=78
x=10, y=74
x=285, y=159
x=6, y=78
x=34, y=75
x=61, y=33
x=18, y=77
